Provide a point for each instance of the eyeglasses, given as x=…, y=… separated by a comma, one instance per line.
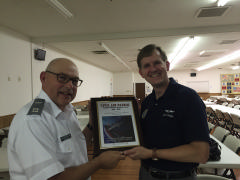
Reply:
x=63, y=78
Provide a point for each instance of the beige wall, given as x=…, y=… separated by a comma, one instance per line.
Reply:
x=19, y=73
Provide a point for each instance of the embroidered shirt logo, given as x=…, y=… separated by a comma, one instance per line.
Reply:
x=168, y=113
x=144, y=114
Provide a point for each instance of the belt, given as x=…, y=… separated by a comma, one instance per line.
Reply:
x=157, y=173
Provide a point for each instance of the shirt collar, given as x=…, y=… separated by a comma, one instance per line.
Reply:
x=56, y=110
x=172, y=83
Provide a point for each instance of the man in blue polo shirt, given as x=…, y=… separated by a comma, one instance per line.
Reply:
x=173, y=121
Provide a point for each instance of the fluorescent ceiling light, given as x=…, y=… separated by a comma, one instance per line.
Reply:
x=114, y=55
x=182, y=49
x=202, y=52
x=221, y=60
x=235, y=67
x=222, y=2
x=60, y=8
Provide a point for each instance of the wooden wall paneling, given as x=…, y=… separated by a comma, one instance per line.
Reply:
x=5, y=121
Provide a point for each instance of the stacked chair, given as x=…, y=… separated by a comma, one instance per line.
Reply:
x=225, y=127
x=228, y=122
x=236, y=125
x=211, y=115
x=220, y=118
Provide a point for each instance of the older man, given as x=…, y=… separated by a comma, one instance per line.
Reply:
x=45, y=140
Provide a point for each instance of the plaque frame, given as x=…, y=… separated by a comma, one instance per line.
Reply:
x=115, y=124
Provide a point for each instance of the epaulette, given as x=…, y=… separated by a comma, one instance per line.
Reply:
x=37, y=107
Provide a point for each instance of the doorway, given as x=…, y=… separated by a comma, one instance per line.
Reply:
x=140, y=91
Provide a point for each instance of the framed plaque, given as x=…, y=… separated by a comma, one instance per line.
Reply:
x=116, y=123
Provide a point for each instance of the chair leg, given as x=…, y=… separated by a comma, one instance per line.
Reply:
x=232, y=175
x=225, y=172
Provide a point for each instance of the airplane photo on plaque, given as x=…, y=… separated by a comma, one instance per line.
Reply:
x=116, y=123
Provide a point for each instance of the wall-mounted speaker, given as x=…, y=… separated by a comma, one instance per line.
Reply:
x=193, y=74
x=39, y=54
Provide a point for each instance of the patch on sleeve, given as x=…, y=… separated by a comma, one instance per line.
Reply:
x=37, y=107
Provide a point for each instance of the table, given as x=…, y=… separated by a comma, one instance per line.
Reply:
x=209, y=103
x=229, y=159
x=225, y=109
x=3, y=160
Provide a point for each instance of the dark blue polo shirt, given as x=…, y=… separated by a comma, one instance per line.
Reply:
x=176, y=118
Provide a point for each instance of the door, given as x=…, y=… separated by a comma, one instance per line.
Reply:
x=140, y=91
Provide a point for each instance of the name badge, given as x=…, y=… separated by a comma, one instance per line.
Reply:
x=68, y=136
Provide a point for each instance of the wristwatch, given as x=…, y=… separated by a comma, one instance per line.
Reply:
x=154, y=154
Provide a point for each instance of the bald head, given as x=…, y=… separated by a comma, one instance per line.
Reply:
x=57, y=63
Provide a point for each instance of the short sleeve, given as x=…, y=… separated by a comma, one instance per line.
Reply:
x=195, y=119
x=35, y=149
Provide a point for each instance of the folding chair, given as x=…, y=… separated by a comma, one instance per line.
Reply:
x=211, y=115
x=225, y=104
x=237, y=107
x=220, y=133
x=210, y=127
x=231, y=105
x=229, y=122
x=233, y=143
x=220, y=117
x=236, y=124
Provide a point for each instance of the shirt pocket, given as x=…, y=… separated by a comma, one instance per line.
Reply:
x=65, y=152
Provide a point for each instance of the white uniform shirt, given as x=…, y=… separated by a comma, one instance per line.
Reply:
x=41, y=146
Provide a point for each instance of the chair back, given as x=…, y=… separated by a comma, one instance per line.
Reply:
x=231, y=105
x=229, y=121
x=211, y=115
x=227, y=117
x=225, y=104
x=233, y=143
x=236, y=119
x=210, y=126
x=219, y=114
x=220, y=133
x=237, y=107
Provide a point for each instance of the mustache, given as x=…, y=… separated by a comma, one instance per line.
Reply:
x=66, y=91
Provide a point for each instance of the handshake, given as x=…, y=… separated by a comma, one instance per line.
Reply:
x=110, y=159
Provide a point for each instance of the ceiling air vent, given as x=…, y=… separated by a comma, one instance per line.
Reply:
x=100, y=52
x=228, y=41
x=212, y=11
